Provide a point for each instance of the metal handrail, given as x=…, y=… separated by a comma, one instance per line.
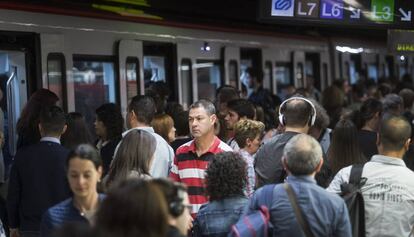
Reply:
x=11, y=113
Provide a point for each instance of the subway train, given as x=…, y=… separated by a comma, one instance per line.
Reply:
x=88, y=61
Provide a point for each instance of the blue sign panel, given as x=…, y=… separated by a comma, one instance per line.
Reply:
x=283, y=7
x=332, y=9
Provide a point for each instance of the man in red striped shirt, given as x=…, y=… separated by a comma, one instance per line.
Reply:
x=192, y=158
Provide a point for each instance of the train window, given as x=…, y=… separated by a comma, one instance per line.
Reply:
x=373, y=71
x=56, y=77
x=186, y=82
x=234, y=79
x=283, y=75
x=154, y=69
x=353, y=75
x=132, y=77
x=94, y=84
x=208, y=78
x=268, y=76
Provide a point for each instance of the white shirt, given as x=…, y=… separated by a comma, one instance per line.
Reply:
x=388, y=195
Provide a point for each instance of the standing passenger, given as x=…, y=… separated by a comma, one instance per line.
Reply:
x=326, y=214
x=179, y=218
x=27, y=125
x=135, y=208
x=248, y=134
x=163, y=125
x=108, y=127
x=133, y=158
x=237, y=109
x=37, y=179
x=84, y=173
x=389, y=188
x=141, y=111
x=296, y=114
x=192, y=158
x=77, y=131
x=226, y=178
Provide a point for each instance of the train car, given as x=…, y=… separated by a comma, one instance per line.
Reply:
x=89, y=61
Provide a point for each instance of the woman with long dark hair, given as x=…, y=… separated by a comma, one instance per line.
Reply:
x=133, y=158
x=344, y=149
x=27, y=125
x=77, y=131
x=108, y=127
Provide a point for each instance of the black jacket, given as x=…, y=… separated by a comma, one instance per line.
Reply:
x=37, y=182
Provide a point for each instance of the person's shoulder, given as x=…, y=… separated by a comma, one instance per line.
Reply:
x=224, y=146
x=184, y=148
x=59, y=209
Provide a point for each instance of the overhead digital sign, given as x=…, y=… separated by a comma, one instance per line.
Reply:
x=363, y=13
x=401, y=42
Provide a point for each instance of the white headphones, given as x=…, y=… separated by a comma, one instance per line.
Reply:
x=313, y=115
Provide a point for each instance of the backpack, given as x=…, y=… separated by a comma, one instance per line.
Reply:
x=354, y=200
x=256, y=224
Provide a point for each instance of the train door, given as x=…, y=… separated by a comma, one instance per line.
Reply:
x=299, y=69
x=283, y=73
x=370, y=65
x=231, y=66
x=130, y=57
x=158, y=66
x=402, y=66
x=313, y=70
x=269, y=69
x=18, y=68
x=249, y=57
x=54, y=67
x=355, y=68
x=325, y=71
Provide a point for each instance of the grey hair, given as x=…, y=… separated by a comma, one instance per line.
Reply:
x=206, y=104
x=302, y=154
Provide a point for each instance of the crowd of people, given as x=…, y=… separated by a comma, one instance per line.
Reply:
x=174, y=172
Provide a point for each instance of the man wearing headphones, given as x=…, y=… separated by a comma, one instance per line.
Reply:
x=179, y=207
x=297, y=115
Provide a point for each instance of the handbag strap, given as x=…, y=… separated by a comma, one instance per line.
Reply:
x=299, y=215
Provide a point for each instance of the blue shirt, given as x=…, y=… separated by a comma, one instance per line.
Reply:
x=215, y=219
x=60, y=214
x=326, y=213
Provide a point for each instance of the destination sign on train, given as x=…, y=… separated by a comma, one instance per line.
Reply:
x=388, y=13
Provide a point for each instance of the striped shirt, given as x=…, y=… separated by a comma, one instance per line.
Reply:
x=189, y=169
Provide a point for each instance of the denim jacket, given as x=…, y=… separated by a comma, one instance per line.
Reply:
x=216, y=218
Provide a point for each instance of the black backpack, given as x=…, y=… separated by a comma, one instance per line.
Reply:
x=352, y=195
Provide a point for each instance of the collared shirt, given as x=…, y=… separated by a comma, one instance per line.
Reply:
x=251, y=175
x=189, y=168
x=325, y=212
x=388, y=195
x=163, y=155
x=50, y=139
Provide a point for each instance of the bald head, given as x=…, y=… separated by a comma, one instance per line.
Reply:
x=297, y=113
x=302, y=155
x=394, y=133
